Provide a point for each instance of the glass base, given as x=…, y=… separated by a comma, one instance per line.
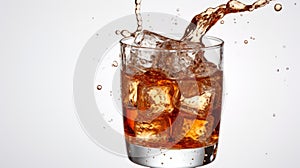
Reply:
x=173, y=158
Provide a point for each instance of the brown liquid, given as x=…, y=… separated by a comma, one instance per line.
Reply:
x=175, y=111
x=159, y=111
x=202, y=22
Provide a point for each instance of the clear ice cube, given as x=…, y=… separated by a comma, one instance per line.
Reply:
x=149, y=39
x=156, y=95
x=200, y=105
x=198, y=130
x=154, y=131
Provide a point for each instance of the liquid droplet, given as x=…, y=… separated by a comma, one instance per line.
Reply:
x=222, y=21
x=99, y=87
x=117, y=32
x=274, y=115
x=287, y=68
x=277, y=70
x=114, y=64
x=177, y=9
x=246, y=41
x=278, y=7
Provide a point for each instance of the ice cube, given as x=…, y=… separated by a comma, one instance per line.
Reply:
x=149, y=39
x=198, y=130
x=189, y=88
x=155, y=99
x=205, y=69
x=156, y=95
x=200, y=105
x=153, y=131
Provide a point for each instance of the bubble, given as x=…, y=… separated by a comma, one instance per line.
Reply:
x=222, y=21
x=99, y=87
x=117, y=32
x=278, y=7
x=246, y=41
x=114, y=64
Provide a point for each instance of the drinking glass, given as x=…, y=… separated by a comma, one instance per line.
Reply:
x=171, y=101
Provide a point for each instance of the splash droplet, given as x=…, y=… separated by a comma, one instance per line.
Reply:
x=277, y=70
x=246, y=41
x=99, y=87
x=177, y=9
x=222, y=21
x=287, y=68
x=114, y=64
x=278, y=7
x=117, y=32
x=274, y=115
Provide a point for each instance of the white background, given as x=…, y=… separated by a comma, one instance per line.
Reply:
x=40, y=42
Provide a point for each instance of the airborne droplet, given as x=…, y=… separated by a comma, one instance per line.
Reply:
x=99, y=87
x=222, y=21
x=278, y=7
x=114, y=64
x=117, y=32
x=246, y=41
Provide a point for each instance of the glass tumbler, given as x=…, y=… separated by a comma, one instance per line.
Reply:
x=171, y=101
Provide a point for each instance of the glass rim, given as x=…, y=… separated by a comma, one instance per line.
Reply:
x=219, y=43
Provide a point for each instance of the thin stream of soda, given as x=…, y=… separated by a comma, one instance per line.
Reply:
x=138, y=16
x=202, y=22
